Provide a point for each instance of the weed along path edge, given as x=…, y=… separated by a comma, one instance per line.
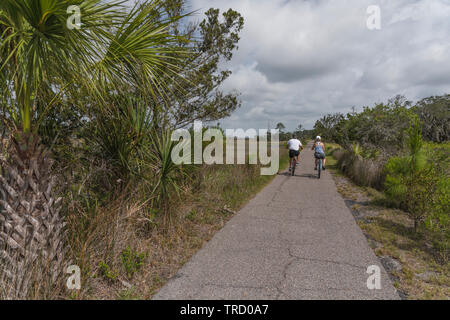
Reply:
x=295, y=240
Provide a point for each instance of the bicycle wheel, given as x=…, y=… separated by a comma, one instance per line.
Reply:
x=293, y=167
x=319, y=169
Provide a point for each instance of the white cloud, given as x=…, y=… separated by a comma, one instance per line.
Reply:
x=300, y=59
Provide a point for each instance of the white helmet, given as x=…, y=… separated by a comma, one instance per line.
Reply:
x=318, y=138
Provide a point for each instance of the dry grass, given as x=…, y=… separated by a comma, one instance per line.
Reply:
x=390, y=233
x=423, y=275
x=364, y=172
x=99, y=236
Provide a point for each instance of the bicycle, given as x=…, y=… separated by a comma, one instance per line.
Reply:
x=319, y=167
x=319, y=158
x=294, y=162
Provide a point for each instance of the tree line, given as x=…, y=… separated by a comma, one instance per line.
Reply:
x=384, y=126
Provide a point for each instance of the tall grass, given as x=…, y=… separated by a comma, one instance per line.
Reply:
x=363, y=171
x=100, y=232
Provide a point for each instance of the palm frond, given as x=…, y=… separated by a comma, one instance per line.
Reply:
x=113, y=47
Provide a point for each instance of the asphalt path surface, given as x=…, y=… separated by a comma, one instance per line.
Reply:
x=295, y=240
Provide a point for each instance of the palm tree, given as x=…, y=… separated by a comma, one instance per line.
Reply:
x=43, y=61
x=280, y=126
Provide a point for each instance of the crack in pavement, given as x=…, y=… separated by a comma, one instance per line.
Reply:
x=227, y=286
x=284, y=273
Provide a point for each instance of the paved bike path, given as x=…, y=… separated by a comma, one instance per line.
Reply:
x=295, y=240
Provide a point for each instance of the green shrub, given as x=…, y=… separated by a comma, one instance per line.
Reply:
x=356, y=150
x=132, y=261
x=438, y=222
x=118, y=134
x=410, y=180
x=107, y=272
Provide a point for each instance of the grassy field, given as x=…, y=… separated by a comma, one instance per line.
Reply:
x=127, y=252
x=417, y=270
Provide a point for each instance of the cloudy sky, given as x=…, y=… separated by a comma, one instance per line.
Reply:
x=301, y=59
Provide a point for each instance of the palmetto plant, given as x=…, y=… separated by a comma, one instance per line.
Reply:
x=120, y=131
x=356, y=150
x=43, y=62
x=167, y=174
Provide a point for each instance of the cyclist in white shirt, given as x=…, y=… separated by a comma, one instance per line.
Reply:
x=294, y=145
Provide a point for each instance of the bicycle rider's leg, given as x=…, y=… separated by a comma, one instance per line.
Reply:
x=323, y=163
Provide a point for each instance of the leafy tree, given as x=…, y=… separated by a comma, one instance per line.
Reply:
x=383, y=126
x=200, y=97
x=327, y=126
x=434, y=113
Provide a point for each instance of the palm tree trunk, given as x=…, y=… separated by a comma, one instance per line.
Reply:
x=31, y=227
